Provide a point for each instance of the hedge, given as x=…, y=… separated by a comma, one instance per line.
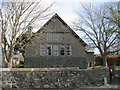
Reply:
x=111, y=59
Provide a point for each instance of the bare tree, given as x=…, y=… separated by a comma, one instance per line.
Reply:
x=98, y=29
x=16, y=18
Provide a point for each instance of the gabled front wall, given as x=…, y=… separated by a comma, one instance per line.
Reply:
x=32, y=51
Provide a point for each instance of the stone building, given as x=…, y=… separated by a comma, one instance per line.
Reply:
x=56, y=45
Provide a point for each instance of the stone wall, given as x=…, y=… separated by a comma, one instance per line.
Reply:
x=51, y=62
x=116, y=74
x=52, y=77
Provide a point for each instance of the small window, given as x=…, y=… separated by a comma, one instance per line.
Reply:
x=61, y=37
x=55, y=50
x=68, y=50
x=30, y=28
x=42, y=50
x=62, y=50
x=55, y=37
x=49, y=50
x=49, y=37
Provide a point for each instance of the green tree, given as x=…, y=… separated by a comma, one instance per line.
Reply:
x=23, y=40
x=115, y=17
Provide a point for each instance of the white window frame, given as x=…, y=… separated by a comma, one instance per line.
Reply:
x=61, y=37
x=56, y=37
x=55, y=50
x=63, y=46
x=68, y=53
x=48, y=51
x=49, y=37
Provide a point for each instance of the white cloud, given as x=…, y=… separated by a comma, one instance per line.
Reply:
x=65, y=11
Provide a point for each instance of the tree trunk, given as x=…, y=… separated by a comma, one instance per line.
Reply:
x=104, y=58
x=4, y=54
x=10, y=56
x=5, y=60
x=7, y=57
x=10, y=63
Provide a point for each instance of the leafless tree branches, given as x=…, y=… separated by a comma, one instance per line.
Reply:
x=16, y=17
x=98, y=29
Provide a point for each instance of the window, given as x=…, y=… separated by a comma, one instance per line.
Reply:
x=62, y=49
x=61, y=37
x=30, y=28
x=55, y=50
x=49, y=50
x=42, y=50
x=68, y=50
x=49, y=37
x=55, y=37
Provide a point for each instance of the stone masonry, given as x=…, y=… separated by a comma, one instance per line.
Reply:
x=52, y=77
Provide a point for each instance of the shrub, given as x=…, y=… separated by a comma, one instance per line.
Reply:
x=111, y=59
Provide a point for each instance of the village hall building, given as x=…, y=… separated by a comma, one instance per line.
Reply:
x=57, y=45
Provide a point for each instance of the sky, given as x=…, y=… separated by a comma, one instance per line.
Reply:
x=66, y=9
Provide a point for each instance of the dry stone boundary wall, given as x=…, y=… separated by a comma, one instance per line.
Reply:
x=52, y=77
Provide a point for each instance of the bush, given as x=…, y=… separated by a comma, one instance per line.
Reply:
x=117, y=67
x=111, y=59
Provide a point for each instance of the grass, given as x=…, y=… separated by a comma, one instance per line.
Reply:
x=117, y=68
x=95, y=66
x=100, y=66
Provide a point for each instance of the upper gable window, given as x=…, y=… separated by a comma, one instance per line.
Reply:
x=49, y=37
x=55, y=37
x=62, y=37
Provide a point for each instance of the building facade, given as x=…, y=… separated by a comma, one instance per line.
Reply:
x=56, y=45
